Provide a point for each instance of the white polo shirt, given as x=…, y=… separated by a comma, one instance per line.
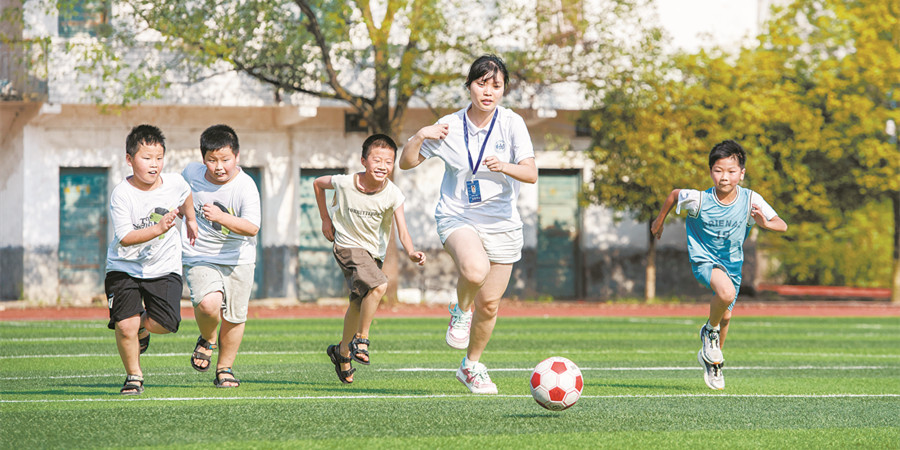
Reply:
x=509, y=141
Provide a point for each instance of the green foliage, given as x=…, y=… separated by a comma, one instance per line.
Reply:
x=374, y=56
x=841, y=251
x=809, y=104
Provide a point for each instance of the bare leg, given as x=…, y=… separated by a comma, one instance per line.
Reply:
x=724, y=328
x=465, y=247
x=487, y=302
x=127, y=344
x=724, y=295
x=230, y=337
x=367, y=312
x=208, y=314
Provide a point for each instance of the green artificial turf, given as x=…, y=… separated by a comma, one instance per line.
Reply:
x=790, y=383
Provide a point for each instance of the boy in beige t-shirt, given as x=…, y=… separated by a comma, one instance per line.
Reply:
x=359, y=224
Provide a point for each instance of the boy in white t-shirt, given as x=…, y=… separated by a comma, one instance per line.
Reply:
x=219, y=268
x=143, y=261
x=359, y=224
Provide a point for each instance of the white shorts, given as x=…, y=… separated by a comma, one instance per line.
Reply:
x=504, y=247
x=234, y=282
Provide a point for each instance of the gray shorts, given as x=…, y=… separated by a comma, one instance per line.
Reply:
x=234, y=282
x=361, y=270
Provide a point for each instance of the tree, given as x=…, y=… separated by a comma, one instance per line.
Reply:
x=809, y=103
x=374, y=57
x=653, y=134
x=847, y=58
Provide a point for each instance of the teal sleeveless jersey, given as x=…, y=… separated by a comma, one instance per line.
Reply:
x=716, y=232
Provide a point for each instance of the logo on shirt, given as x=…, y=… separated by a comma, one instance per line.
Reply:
x=218, y=226
x=500, y=146
x=360, y=212
x=152, y=219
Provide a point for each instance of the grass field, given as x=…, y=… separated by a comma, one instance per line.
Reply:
x=790, y=383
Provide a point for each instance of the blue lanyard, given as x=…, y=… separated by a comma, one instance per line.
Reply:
x=483, y=144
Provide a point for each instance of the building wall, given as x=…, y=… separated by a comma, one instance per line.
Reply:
x=68, y=131
x=283, y=143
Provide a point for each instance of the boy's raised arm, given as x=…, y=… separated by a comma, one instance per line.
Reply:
x=657, y=226
x=774, y=224
x=405, y=239
x=237, y=224
x=146, y=234
x=319, y=185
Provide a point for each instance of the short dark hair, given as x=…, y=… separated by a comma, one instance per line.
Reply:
x=144, y=135
x=219, y=136
x=487, y=66
x=727, y=149
x=378, y=141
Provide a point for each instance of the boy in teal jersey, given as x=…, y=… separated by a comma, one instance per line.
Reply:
x=718, y=223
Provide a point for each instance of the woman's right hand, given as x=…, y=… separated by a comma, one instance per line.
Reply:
x=436, y=131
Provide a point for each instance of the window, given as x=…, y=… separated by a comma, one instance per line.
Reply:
x=84, y=17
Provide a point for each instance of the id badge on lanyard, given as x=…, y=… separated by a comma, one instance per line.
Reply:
x=473, y=189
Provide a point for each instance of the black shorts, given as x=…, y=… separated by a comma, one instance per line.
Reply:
x=128, y=296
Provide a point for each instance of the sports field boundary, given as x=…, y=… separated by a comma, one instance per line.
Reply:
x=291, y=308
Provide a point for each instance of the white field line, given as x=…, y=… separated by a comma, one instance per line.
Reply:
x=428, y=397
x=66, y=339
x=502, y=369
x=854, y=356
x=647, y=369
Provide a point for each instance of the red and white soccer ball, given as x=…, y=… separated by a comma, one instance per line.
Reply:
x=556, y=383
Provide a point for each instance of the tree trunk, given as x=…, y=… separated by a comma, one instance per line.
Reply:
x=650, y=287
x=392, y=268
x=895, y=281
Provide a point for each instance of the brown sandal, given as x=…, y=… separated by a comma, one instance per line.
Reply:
x=202, y=343
x=355, y=351
x=131, y=387
x=334, y=353
x=220, y=382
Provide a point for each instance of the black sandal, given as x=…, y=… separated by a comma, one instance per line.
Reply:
x=202, y=343
x=355, y=350
x=334, y=353
x=220, y=382
x=131, y=387
x=145, y=341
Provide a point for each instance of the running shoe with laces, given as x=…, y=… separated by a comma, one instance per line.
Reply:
x=712, y=374
x=476, y=379
x=710, y=349
x=458, y=329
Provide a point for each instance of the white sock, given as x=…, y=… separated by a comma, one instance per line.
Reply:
x=710, y=327
x=468, y=363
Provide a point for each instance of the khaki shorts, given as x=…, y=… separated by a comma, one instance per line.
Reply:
x=234, y=282
x=504, y=247
x=361, y=270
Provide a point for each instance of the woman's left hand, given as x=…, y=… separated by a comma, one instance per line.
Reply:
x=494, y=164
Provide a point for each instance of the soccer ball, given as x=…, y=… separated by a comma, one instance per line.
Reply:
x=556, y=383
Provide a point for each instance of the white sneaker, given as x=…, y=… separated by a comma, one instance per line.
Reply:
x=476, y=379
x=458, y=329
x=711, y=351
x=712, y=373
